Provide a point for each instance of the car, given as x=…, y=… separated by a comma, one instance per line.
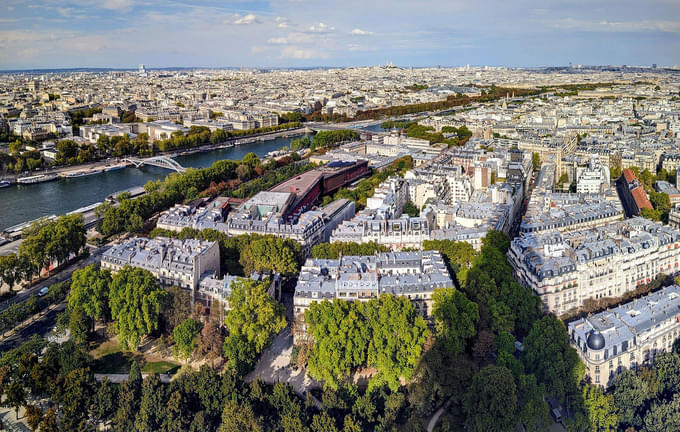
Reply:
x=43, y=291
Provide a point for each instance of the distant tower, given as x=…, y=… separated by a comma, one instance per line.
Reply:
x=142, y=70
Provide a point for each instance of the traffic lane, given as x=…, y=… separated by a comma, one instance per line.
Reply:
x=42, y=327
x=64, y=275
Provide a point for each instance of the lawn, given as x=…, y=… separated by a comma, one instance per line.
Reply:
x=111, y=358
x=160, y=367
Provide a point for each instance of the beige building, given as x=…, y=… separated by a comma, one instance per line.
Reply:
x=627, y=336
x=566, y=269
x=172, y=261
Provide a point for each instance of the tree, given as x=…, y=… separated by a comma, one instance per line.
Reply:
x=551, y=359
x=78, y=325
x=186, y=336
x=177, y=307
x=600, y=409
x=15, y=397
x=254, y=318
x=273, y=254
x=663, y=416
x=455, y=317
x=128, y=406
x=103, y=405
x=534, y=410
x=411, y=209
x=136, y=299
x=251, y=160
x=535, y=161
x=212, y=340
x=12, y=269
x=90, y=292
x=630, y=394
x=341, y=338
x=49, y=422
x=79, y=389
x=239, y=417
x=34, y=416
x=152, y=405
x=491, y=402
x=397, y=339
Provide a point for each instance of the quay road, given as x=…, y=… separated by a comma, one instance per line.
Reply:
x=59, y=276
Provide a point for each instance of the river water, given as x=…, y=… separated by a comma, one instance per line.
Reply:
x=21, y=203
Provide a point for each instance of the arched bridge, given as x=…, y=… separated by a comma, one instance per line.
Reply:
x=159, y=161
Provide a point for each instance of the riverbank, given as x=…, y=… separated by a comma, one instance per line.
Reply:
x=103, y=164
x=21, y=203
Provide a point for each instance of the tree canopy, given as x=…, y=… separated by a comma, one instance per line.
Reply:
x=136, y=299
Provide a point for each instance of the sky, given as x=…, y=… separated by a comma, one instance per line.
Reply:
x=302, y=33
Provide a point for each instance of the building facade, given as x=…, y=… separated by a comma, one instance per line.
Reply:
x=627, y=336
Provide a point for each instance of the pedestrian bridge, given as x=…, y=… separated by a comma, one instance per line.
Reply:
x=158, y=161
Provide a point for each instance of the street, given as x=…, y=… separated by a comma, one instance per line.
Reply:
x=42, y=327
x=63, y=275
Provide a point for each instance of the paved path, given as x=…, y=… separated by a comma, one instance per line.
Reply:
x=120, y=378
x=435, y=417
x=273, y=365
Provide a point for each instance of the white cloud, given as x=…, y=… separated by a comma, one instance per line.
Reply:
x=298, y=53
x=119, y=5
x=293, y=38
x=360, y=32
x=246, y=20
x=321, y=28
x=640, y=26
x=278, y=41
x=282, y=22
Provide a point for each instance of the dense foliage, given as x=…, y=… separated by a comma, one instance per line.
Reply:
x=253, y=320
x=488, y=94
x=19, y=312
x=135, y=300
x=44, y=243
x=331, y=138
x=385, y=333
x=334, y=250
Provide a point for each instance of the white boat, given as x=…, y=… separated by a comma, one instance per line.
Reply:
x=41, y=178
x=4, y=184
x=75, y=174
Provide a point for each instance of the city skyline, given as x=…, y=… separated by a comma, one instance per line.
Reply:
x=297, y=33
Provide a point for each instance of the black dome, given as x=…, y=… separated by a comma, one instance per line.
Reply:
x=595, y=341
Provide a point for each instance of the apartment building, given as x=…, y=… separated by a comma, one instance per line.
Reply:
x=627, y=336
x=414, y=275
x=567, y=268
x=172, y=261
x=593, y=178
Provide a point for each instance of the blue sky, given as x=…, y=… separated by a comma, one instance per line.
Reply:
x=212, y=33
